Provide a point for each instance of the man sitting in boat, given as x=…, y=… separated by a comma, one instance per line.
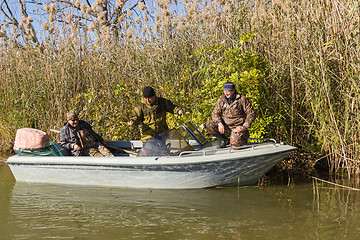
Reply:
x=151, y=114
x=78, y=137
x=232, y=115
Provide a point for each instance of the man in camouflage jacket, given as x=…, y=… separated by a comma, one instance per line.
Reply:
x=151, y=114
x=233, y=115
x=80, y=139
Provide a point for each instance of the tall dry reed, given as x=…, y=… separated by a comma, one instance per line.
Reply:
x=96, y=59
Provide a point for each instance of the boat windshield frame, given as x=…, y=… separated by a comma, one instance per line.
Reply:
x=193, y=132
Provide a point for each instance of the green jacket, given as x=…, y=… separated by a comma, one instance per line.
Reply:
x=152, y=118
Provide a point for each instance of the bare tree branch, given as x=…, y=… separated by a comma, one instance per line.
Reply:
x=11, y=17
x=87, y=1
x=107, y=13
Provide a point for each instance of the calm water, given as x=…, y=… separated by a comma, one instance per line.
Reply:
x=44, y=211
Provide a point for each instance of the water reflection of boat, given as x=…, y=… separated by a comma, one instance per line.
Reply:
x=53, y=211
x=188, y=161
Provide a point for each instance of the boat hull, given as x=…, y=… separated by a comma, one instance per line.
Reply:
x=228, y=168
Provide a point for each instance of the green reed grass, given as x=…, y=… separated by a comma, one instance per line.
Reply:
x=310, y=89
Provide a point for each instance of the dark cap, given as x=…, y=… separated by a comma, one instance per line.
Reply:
x=148, y=92
x=229, y=86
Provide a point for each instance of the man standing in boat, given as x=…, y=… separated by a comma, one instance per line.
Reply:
x=232, y=116
x=79, y=137
x=151, y=114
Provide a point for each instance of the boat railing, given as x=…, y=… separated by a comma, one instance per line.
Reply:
x=259, y=140
x=204, y=152
x=251, y=140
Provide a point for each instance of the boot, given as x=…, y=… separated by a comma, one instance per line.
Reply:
x=223, y=140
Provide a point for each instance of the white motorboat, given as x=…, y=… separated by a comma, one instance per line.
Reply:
x=186, y=163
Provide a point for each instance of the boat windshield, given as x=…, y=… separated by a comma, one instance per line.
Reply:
x=190, y=132
x=170, y=143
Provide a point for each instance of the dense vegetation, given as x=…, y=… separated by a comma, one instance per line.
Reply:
x=298, y=62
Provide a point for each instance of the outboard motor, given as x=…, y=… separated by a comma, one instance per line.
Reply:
x=30, y=138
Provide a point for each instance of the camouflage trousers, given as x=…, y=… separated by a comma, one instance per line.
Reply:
x=237, y=139
x=98, y=150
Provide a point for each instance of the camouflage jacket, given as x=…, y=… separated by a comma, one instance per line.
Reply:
x=239, y=113
x=152, y=118
x=69, y=136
